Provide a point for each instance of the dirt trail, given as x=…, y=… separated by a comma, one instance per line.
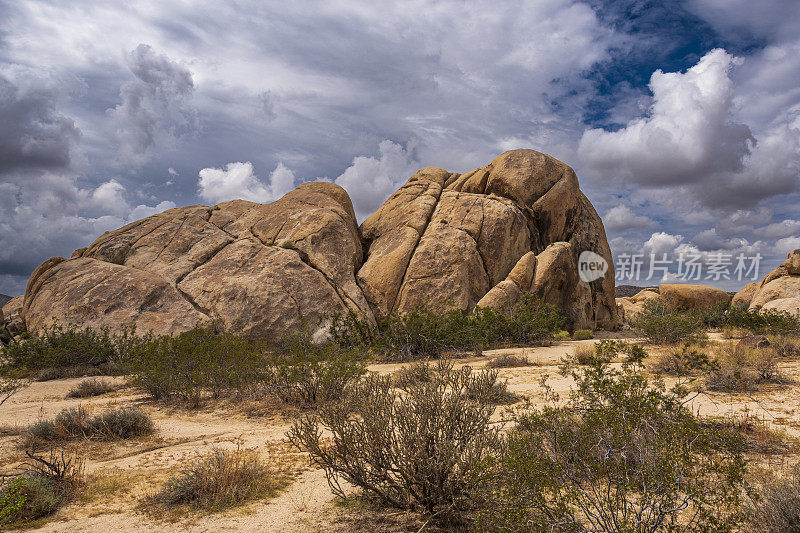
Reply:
x=306, y=504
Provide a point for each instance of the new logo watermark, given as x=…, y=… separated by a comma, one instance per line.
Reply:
x=591, y=266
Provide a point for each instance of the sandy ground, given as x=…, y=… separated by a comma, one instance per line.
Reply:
x=119, y=475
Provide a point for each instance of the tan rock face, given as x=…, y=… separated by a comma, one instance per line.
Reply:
x=12, y=315
x=687, y=296
x=787, y=305
x=779, y=290
x=745, y=296
x=447, y=247
x=641, y=296
x=443, y=240
x=93, y=293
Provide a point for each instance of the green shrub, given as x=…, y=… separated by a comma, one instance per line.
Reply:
x=305, y=375
x=582, y=335
x=76, y=423
x=42, y=486
x=619, y=455
x=423, y=334
x=762, y=321
x=195, y=364
x=222, y=479
x=418, y=453
x=91, y=387
x=661, y=326
x=60, y=351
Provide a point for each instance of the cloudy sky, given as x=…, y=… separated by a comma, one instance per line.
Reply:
x=681, y=117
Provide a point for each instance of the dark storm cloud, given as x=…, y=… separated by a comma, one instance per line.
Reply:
x=33, y=135
x=154, y=105
x=258, y=96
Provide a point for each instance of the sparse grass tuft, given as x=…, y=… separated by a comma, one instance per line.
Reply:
x=787, y=347
x=91, y=387
x=508, y=361
x=76, y=423
x=220, y=480
x=775, y=506
x=684, y=362
x=742, y=369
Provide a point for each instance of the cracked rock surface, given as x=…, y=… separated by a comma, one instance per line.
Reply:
x=444, y=240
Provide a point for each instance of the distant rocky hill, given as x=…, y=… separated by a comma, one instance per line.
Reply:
x=626, y=291
x=4, y=299
x=444, y=240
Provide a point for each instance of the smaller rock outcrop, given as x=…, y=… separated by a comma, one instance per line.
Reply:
x=686, y=296
x=779, y=290
x=11, y=315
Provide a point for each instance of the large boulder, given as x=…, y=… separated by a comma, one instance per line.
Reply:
x=444, y=240
x=686, y=296
x=11, y=314
x=447, y=240
x=779, y=290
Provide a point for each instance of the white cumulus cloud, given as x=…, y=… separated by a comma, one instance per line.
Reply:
x=238, y=181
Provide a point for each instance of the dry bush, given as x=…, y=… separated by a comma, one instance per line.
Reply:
x=743, y=369
x=413, y=374
x=91, y=387
x=76, y=423
x=731, y=332
x=583, y=353
x=683, y=363
x=785, y=346
x=42, y=486
x=619, y=455
x=775, y=506
x=412, y=450
x=508, y=361
x=758, y=437
x=222, y=479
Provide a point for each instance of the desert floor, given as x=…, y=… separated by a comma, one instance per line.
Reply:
x=119, y=475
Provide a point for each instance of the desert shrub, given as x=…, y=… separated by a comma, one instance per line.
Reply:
x=775, y=506
x=761, y=321
x=605, y=351
x=69, y=351
x=743, y=369
x=423, y=334
x=76, y=423
x=91, y=387
x=418, y=453
x=684, y=362
x=416, y=372
x=561, y=335
x=661, y=326
x=583, y=354
x=507, y=360
x=787, y=347
x=198, y=363
x=485, y=388
x=582, y=335
x=304, y=374
x=621, y=454
x=222, y=479
x=40, y=488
